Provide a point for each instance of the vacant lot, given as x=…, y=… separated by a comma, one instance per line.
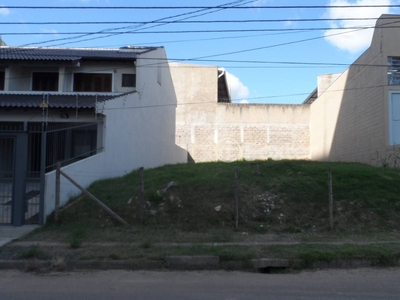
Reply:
x=280, y=202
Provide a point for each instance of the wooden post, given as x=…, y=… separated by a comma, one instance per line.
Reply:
x=258, y=169
x=71, y=204
x=101, y=204
x=58, y=191
x=141, y=171
x=330, y=198
x=236, y=198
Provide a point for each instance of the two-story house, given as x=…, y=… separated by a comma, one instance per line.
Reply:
x=100, y=112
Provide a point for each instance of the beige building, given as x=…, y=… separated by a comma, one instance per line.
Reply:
x=353, y=116
x=211, y=128
x=356, y=118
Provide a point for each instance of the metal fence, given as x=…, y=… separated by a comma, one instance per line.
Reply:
x=40, y=146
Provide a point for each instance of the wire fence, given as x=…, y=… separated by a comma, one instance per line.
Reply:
x=247, y=196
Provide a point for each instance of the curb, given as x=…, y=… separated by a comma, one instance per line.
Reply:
x=201, y=262
x=186, y=263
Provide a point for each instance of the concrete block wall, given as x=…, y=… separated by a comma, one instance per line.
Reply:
x=246, y=131
x=212, y=131
x=349, y=121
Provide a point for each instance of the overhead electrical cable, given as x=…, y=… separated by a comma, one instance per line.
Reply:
x=144, y=23
x=198, y=7
x=194, y=22
x=111, y=33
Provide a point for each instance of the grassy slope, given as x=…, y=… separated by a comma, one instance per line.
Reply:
x=287, y=196
x=287, y=201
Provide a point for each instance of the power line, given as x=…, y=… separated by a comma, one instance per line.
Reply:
x=241, y=99
x=195, y=22
x=197, y=7
x=285, y=44
x=194, y=31
x=220, y=7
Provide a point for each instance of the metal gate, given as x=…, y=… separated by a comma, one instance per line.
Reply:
x=27, y=152
x=7, y=164
x=13, y=173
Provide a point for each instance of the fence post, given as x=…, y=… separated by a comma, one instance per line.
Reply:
x=101, y=204
x=58, y=191
x=236, y=198
x=141, y=171
x=258, y=169
x=330, y=198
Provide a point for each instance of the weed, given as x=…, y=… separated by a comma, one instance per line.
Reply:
x=58, y=264
x=76, y=237
x=75, y=243
x=34, y=252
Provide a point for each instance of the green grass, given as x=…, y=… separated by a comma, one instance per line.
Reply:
x=288, y=197
x=33, y=252
x=287, y=200
x=382, y=254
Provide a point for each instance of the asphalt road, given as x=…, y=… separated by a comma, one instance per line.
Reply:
x=362, y=284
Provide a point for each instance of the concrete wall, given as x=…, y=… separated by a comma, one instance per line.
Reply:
x=139, y=131
x=349, y=121
x=210, y=131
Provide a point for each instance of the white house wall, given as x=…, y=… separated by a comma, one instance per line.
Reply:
x=139, y=131
x=114, y=68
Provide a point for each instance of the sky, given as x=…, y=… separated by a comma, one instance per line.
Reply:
x=271, y=55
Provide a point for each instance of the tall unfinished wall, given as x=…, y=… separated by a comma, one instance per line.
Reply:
x=210, y=131
x=349, y=121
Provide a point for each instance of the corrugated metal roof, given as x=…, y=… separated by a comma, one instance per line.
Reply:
x=53, y=100
x=68, y=54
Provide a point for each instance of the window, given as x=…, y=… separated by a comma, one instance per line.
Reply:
x=83, y=143
x=44, y=81
x=2, y=78
x=92, y=82
x=128, y=80
x=394, y=71
x=394, y=118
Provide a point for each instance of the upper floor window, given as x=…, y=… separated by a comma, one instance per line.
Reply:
x=44, y=81
x=93, y=82
x=128, y=80
x=394, y=71
x=2, y=78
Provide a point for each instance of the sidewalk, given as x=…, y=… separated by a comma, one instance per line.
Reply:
x=10, y=233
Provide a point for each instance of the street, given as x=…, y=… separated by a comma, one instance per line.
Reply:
x=330, y=284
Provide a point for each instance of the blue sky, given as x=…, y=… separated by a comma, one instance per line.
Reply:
x=261, y=59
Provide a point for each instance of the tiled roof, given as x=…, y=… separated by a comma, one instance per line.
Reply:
x=53, y=100
x=68, y=54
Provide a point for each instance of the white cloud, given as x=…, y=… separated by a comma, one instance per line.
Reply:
x=354, y=41
x=50, y=31
x=4, y=11
x=237, y=88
